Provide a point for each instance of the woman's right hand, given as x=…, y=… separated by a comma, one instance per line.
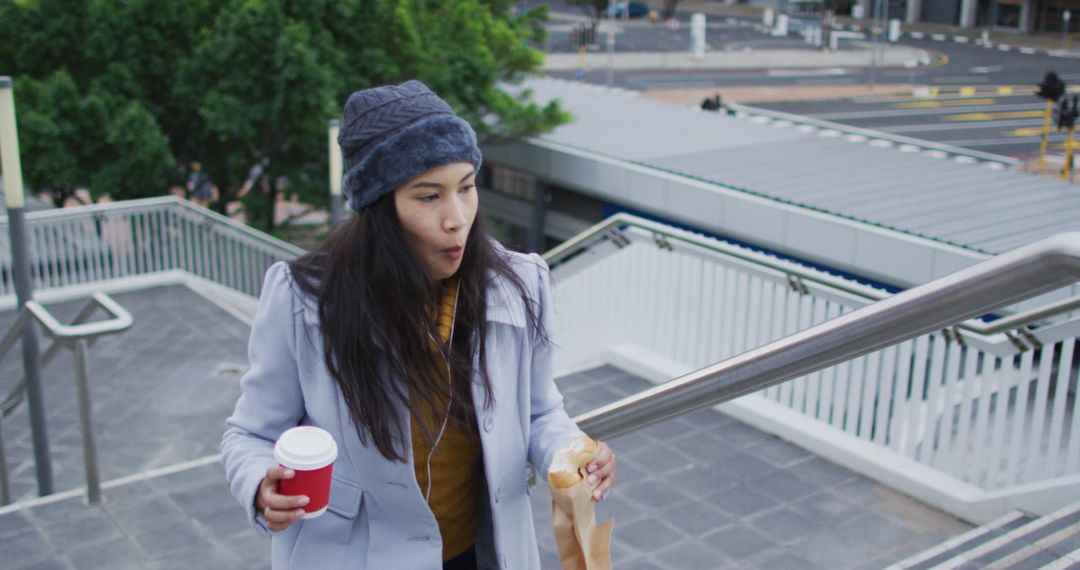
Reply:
x=281, y=511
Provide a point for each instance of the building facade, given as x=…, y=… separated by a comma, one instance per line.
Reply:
x=1019, y=15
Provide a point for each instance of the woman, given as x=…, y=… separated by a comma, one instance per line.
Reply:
x=421, y=345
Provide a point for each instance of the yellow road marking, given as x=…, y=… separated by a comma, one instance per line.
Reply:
x=994, y=116
x=1026, y=132
x=967, y=91
x=1005, y=90
x=947, y=103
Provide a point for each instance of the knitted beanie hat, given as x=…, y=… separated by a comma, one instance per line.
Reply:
x=393, y=133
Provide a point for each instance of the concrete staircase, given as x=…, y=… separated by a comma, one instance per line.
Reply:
x=1014, y=542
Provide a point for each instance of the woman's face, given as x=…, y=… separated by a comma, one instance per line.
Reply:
x=437, y=210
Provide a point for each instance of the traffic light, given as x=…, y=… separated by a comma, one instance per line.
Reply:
x=1051, y=88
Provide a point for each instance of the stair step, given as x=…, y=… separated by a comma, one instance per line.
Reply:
x=1010, y=546
x=1070, y=562
x=964, y=542
x=1044, y=551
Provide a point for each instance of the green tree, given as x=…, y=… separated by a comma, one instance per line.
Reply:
x=245, y=87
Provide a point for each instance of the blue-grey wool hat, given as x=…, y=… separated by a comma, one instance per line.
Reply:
x=392, y=133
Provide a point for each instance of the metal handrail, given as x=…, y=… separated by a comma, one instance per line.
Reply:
x=77, y=337
x=602, y=231
x=1011, y=277
x=15, y=396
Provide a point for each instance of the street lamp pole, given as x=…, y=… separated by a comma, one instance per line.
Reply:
x=876, y=29
x=335, y=174
x=1066, y=16
x=15, y=202
x=611, y=49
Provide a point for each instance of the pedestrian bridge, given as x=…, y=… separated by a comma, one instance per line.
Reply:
x=977, y=418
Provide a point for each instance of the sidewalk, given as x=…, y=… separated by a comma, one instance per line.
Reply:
x=693, y=96
x=893, y=56
x=1043, y=41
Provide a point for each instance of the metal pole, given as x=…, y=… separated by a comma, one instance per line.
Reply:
x=335, y=174
x=1066, y=16
x=541, y=198
x=1066, y=172
x=13, y=198
x=1045, y=134
x=93, y=482
x=874, y=47
x=5, y=490
x=611, y=50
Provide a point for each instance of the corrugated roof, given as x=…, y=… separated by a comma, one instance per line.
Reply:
x=969, y=205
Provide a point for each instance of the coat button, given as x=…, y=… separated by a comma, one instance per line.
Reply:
x=489, y=423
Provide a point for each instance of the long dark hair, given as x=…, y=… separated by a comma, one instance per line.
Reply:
x=377, y=316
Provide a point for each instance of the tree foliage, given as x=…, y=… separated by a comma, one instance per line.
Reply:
x=121, y=97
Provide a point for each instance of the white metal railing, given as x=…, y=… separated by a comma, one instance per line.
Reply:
x=987, y=405
x=74, y=246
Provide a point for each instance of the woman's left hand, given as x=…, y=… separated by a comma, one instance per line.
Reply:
x=602, y=469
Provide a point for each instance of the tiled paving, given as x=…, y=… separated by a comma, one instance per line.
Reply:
x=159, y=389
x=701, y=491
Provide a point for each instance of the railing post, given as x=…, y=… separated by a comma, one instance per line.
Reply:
x=93, y=483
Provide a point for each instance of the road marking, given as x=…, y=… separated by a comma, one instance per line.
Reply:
x=805, y=72
x=943, y=103
x=882, y=113
x=917, y=35
x=960, y=79
x=961, y=39
x=930, y=127
x=986, y=69
x=994, y=142
x=1028, y=51
x=1037, y=131
x=1005, y=90
x=967, y=91
x=937, y=37
x=992, y=116
x=1004, y=47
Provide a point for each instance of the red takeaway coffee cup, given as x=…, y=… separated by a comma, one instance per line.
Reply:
x=310, y=452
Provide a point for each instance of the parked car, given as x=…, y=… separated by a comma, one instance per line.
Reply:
x=634, y=9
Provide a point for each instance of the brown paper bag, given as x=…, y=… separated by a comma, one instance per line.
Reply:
x=583, y=544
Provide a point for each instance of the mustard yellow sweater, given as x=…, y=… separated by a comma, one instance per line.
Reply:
x=456, y=464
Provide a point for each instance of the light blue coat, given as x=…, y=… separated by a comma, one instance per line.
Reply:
x=377, y=517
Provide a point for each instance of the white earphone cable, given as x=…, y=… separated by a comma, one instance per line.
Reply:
x=450, y=382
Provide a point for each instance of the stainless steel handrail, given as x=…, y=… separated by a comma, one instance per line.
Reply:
x=78, y=338
x=1011, y=277
x=602, y=231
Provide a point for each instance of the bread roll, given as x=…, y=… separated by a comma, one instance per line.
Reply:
x=569, y=464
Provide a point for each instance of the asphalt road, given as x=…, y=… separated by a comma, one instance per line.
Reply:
x=975, y=97
x=981, y=118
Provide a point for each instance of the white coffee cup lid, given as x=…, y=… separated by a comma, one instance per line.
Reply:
x=305, y=447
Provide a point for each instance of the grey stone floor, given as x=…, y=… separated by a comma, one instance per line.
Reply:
x=160, y=390
x=701, y=491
